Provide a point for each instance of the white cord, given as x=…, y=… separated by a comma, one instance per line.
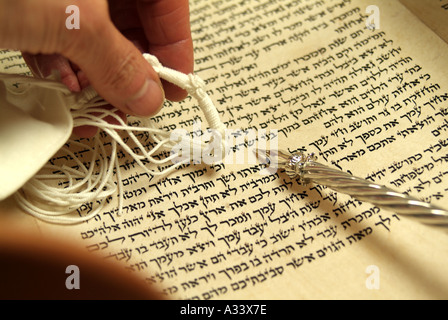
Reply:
x=55, y=193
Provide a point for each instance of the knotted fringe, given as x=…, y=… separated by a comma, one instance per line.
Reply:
x=57, y=191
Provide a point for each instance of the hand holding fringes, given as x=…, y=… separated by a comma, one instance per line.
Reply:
x=58, y=205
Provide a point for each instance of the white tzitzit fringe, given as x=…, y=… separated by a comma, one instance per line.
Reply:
x=45, y=197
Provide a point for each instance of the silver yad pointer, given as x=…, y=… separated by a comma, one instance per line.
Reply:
x=304, y=167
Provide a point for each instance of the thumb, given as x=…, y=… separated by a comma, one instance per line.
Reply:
x=113, y=65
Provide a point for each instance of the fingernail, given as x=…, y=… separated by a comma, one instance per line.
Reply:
x=148, y=100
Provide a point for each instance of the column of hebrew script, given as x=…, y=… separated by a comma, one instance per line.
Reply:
x=312, y=76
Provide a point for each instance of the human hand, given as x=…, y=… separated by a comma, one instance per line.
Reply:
x=106, y=51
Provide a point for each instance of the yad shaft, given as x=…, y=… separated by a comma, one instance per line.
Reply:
x=363, y=190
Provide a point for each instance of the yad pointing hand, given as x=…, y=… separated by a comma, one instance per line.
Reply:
x=106, y=50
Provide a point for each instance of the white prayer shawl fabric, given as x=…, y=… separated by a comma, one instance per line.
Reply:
x=34, y=123
x=37, y=121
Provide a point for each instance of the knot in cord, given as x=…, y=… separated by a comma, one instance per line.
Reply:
x=195, y=86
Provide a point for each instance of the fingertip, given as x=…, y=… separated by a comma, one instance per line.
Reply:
x=44, y=65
